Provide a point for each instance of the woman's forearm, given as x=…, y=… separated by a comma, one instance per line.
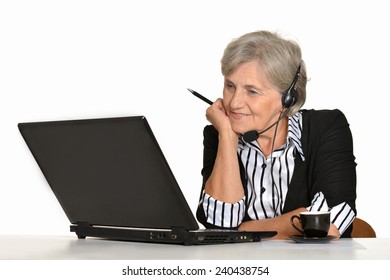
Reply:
x=224, y=183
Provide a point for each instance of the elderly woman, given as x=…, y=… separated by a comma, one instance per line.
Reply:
x=265, y=159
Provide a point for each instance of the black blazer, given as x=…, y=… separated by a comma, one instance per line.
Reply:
x=329, y=164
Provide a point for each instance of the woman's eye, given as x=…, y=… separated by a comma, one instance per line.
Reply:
x=252, y=91
x=229, y=86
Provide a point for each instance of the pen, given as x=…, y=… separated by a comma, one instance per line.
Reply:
x=200, y=96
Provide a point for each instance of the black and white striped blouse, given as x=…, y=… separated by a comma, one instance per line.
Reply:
x=268, y=180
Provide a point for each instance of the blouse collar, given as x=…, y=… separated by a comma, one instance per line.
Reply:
x=294, y=135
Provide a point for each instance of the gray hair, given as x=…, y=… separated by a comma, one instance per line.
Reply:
x=280, y=59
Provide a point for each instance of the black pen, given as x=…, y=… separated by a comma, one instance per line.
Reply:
x=200, y=96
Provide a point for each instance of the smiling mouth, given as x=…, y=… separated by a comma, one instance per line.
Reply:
x=238, y=115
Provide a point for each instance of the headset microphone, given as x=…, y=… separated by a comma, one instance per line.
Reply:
x=252, y=135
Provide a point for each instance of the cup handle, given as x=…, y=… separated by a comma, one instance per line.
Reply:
x=292, y=222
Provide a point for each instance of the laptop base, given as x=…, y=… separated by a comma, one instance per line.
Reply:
x=174, y=236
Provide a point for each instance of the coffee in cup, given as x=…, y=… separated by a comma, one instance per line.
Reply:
x=314, y=223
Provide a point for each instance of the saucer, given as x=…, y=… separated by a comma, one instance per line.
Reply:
x=314, y=240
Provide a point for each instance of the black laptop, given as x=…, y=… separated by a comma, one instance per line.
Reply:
x=113, y=181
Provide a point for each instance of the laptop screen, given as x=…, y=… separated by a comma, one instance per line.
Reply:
x=109, y=172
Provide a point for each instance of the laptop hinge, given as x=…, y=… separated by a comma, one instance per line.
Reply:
x=178, y=230
x=80, y=229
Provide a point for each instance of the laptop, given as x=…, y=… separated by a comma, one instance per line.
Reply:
x=112, y=180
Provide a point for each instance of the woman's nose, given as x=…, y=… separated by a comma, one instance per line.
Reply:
x=238, y=99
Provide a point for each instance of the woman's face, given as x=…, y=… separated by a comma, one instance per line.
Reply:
x=250, y=100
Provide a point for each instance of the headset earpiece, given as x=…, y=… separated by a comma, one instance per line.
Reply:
x=289, y=98
x=290, y=95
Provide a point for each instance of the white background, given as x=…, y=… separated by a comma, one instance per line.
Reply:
x=85, y=59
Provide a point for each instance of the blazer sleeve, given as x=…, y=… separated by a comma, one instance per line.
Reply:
x=332, y=162
x=210, y=148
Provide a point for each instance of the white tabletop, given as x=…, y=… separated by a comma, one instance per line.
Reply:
x=71, y=248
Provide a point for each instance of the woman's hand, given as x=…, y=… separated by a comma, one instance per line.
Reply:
x=217, y=116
